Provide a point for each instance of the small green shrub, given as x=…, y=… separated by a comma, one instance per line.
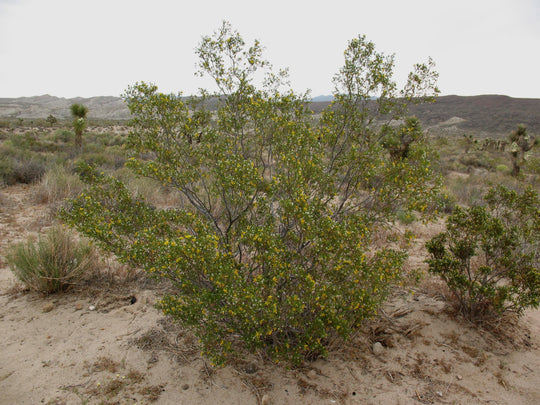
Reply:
x=111, y=159
x=476, y=160
x=406, y=218
x=446, y=203
x=63, y=135
x=6, y=170
x=489, y=254
x=53, y=263
x=23, y=141
x=503, y=169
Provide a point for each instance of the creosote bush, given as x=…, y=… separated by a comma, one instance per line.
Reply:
x=489, y=256
x=271, y=248
x=53, y=262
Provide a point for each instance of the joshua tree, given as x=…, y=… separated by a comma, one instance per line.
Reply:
x=79, y=111
x=51, y=119
x=468, y=142
x=520, y=143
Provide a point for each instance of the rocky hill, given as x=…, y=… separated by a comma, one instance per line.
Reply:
x=486, y=115
x=112, y=108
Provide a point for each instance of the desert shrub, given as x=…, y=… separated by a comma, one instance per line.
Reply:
x=101, y=139
x=503, y=169
x=467, y=190
x=28, y=172
x=444, y=202
x=532, y=165
x=26, y=140
x=6, y=170
x=147, y=189
x=477, y=160
x=100, y=159
x=489, y=254
x=272, y=248
x=19, y=170
x=406, y=218
x=63, y=135
x=53, y=262
x=57, y=184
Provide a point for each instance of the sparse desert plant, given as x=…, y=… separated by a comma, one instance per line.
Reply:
x=468, y=190
x=489, y=255
x=503, y=169
x=6, y=171
x=63, y=135
x=57, y=184
x=272, y=249
x=53, y=262
x=14, y=170
x=406, y=218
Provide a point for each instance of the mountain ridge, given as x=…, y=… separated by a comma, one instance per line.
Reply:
x=483, y=115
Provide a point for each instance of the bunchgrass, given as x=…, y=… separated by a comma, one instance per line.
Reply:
x=52, y=263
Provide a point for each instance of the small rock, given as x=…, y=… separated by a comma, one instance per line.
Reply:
x=185, y=387
x=459, y=377
x=378, y=348
x=92, y=307
x=312, y=374
x=48, y=307
x=439, y=393
x=78, y=306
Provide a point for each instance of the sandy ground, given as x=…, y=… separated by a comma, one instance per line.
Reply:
x=97, y=344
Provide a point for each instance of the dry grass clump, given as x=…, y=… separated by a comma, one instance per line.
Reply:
x=58, y=184
x=53, y=262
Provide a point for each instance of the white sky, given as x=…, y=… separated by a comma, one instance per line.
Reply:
x=70, y=48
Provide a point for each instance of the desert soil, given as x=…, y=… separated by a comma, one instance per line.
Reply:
x=105, y=343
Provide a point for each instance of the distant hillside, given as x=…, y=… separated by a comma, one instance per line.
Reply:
x=42, y=106
x=485, y=115
x=489, y=113
x=322, y=99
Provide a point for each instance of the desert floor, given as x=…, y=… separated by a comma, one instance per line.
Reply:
x=104, y=343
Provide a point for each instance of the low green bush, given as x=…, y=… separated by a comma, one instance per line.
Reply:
x=477, y=160
x=489, y=254
x=406, y=218
x=53, y=262
x=503, y=169
x=64, y=136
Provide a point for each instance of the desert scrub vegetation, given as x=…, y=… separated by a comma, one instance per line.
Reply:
x=57, y=184
x=19, y=165
x=489, y=254
x=52, y=263
x=270, y=248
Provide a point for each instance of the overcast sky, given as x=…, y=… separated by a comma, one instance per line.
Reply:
x=70, y=48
